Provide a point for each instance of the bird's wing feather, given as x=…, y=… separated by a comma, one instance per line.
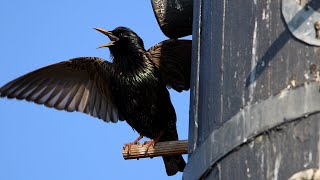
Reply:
x=80, y=84
x=173, y=58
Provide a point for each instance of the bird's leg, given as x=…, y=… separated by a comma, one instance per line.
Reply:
x=134, y=142
x=154, y=141
x=137, y=140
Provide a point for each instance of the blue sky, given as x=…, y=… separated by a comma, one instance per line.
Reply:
x=41, y=143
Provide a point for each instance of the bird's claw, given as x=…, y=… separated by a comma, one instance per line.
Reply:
x=149, y=144
x=133, y=143
x=129, y=146
x=153, y=141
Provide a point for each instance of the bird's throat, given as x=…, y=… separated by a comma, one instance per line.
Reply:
x=130, y=59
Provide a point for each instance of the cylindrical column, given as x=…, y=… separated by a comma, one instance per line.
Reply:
x=254, y=93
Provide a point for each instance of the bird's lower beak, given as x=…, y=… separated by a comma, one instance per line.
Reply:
x=112, y=37
x=111, y=43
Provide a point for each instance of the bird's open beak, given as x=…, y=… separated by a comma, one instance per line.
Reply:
x=112, y=37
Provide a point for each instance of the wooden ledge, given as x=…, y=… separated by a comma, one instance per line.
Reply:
x=160, y=149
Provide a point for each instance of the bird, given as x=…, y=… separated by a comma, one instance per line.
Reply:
x=131, y=87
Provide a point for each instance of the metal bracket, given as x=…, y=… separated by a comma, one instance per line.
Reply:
x=302, y=19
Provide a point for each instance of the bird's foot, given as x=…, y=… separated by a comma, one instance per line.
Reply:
x=153, y=141
x=134, y=142
x=149, y=143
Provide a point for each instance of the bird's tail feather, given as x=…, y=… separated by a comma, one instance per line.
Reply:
x=174, y=164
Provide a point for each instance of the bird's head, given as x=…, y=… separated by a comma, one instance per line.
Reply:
x=123, y=41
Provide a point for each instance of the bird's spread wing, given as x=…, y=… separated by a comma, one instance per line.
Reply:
x=173, y=58
x=80, y=84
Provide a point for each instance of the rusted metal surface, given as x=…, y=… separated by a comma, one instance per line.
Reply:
x=244, y=54
x=174, y=17
x=160, y=149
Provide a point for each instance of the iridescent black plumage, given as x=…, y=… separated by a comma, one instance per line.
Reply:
x=145, y=100
x=132, y=88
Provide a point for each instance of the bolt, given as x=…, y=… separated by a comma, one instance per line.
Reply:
x=317, y=28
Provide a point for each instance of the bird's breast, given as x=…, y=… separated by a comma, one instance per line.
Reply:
x=138, y=98
x=132, y=88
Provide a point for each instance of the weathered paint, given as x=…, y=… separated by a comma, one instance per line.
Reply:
x=243, y=56
x=300, y=102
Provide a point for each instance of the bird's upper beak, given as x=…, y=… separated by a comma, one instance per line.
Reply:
x=112, y=37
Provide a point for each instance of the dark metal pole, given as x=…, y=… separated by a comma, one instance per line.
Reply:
x=255, y=98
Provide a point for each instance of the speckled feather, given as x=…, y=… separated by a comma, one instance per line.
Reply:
x=131, y=88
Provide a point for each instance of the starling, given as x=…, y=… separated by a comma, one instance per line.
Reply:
x=133, y=87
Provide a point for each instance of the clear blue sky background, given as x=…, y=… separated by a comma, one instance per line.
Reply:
x=38, y=143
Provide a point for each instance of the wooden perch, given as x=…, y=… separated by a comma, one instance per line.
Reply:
x=160, y=149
